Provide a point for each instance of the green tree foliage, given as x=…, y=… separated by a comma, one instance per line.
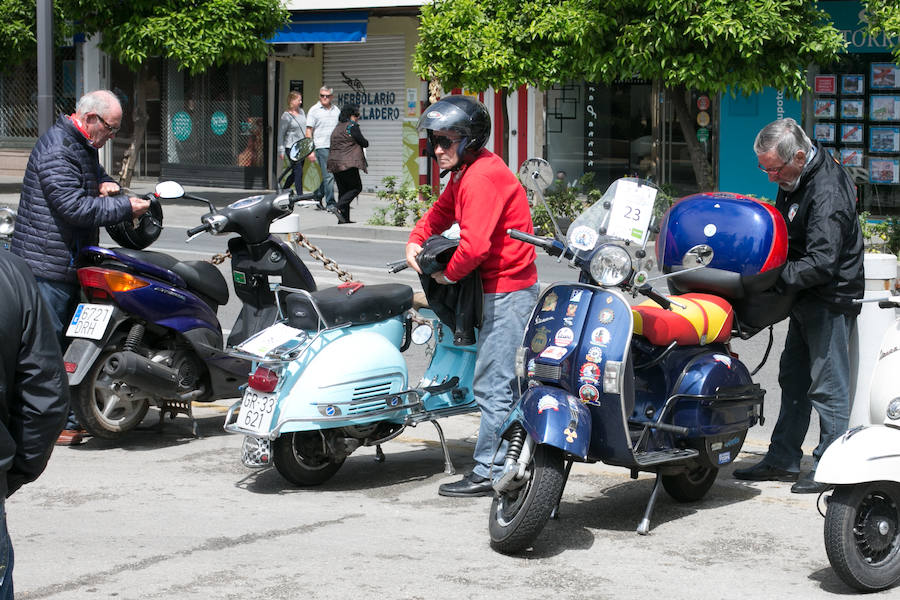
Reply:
x=738, y=46
x=884, y=15
x=18, y=26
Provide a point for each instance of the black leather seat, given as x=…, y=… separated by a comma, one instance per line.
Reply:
x=201, y=277
x=368, y=304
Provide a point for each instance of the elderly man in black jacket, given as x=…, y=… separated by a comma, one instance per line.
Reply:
x=34, y=392
x=825, y=269
x=66, y=197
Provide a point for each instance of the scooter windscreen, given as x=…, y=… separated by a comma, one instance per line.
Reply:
x=624, y=216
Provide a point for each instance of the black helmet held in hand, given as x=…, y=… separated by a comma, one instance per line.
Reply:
x=462, y=114
x=139, y=234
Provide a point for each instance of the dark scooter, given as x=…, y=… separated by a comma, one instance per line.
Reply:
x=148, y=333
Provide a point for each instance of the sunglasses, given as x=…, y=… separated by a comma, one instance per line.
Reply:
x=444, y=141
x=325, y=95
x=109, y=128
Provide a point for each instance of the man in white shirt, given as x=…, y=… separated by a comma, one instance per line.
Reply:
x=320, y=122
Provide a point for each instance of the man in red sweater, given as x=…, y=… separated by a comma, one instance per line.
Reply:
x=485, y=198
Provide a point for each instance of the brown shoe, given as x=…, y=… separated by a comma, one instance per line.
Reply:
x=70, y=437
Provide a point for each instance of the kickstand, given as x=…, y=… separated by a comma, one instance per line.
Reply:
x=379, y=453
x=554, y=514
x=644, y=527
x=448, y=464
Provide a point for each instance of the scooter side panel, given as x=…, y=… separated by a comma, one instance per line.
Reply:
x=553, y=417
x=335, y=376
x=447, y=362
x=176, y=309
x=860, y=455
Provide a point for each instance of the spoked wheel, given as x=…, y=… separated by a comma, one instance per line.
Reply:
x=862, y=536
x=102, y=409
x=690, y=485
x=518, y=516
x=305, y=458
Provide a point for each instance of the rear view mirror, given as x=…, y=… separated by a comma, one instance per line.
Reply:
x=301, y=149
x=169, y=190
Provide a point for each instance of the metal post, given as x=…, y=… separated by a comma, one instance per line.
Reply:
x=45, y=64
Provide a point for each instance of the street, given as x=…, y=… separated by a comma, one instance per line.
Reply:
x=164, y=515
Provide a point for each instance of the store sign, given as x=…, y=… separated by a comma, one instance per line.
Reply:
x=181, y=125
x=218, y=122
x=851, y=21
x=592, y=125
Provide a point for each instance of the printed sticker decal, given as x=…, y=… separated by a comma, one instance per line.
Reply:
x=589, y=373
x=589, y=394
x=606, y=316
x=594, y=355
x=549, y=302
x=564, y=337
x=548, y=403
x=553, y=352
x=571, y=310
x=600, y=336
x=539, y=339
x=575, y=296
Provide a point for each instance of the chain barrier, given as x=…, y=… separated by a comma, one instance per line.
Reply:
x=314, y=251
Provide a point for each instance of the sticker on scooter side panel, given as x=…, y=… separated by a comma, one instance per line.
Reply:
x=589, y=373
x=571, y=310
x=553, y=352
x=548, y=403
x=240, y=277
x=600, y=336
x=330, y=411
x=606, y=316
x=575, y=296
x=594, y=355
x=549, y=302
x=571, y=434
x=564, y=337
x=589, y=394
x=724, y=458
x=539, y=340
x=530, y=368
x=725, y=360
x=715, y=446
x=568, y=321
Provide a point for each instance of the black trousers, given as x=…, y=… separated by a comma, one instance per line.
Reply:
x=349, y=186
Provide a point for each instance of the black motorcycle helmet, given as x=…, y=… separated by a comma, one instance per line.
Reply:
x=140, y=233
x=462, y=114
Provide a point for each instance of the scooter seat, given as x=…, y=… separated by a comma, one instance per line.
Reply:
x=200, y=276
x=706, y=319
x=367, y=304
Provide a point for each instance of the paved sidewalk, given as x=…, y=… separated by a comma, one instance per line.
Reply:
x=315, y=222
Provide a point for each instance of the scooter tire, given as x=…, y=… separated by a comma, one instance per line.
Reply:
x=298, y=458
x=519, y=516
x=691, y=484
x=90, y=404
x=862, y=534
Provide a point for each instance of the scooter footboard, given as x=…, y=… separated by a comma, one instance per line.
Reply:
x=860, y=455
x=554, y=417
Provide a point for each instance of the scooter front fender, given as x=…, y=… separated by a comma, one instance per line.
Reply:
x=860, y=455
x=554, y=417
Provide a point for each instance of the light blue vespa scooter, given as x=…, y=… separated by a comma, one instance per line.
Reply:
x=331, y=377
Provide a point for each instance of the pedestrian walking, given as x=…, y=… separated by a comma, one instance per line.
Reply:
x=291, y=129
x=346, y=158
x=320, y=123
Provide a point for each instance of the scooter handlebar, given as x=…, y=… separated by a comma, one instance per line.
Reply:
x=647, y=290
x=198, y=229
x=396, y=266
x=550, y=246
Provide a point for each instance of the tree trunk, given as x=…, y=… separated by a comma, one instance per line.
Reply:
x=139, y=128
x=702, y=168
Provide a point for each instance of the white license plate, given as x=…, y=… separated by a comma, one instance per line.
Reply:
x=90, y=321
x=257, y=410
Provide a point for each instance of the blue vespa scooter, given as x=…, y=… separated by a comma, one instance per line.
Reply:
x=651, y=387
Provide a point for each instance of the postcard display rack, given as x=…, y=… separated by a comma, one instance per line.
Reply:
x=860, y=129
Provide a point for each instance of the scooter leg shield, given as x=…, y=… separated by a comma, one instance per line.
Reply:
x=860, y=455
x=554, y=417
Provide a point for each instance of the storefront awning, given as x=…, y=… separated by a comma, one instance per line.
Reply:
x=323, y=28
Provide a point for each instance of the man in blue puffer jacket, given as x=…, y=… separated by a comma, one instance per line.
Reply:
x=66, y=197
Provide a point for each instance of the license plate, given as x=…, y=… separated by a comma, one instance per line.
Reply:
x=257, y=410
x=90, y=321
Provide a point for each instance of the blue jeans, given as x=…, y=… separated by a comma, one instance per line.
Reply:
x=814, y=372
x=295, y=178
x=326, y=188
x=61, y=299
x=494, y=381
x=6, y=557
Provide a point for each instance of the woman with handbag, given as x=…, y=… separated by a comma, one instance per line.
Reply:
x=291, y=128
x=345, y=160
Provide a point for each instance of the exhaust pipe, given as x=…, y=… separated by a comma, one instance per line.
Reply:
x=142, y=373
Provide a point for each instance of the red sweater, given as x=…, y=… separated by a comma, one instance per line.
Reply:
x=486, y=199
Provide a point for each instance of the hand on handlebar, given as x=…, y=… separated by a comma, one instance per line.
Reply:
x=412, y=251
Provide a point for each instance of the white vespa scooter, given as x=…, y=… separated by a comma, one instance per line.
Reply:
x=862, y=521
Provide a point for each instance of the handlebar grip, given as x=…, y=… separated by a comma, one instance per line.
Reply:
x=647, y=290
x=396, y=266
x=887, y=304
x=545, y=243
x=198, y=229
x=300, y=197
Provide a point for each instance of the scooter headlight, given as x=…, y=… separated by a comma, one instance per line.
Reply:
x=893, y=410
x=611, y=265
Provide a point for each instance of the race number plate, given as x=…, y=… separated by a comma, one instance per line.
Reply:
x=631, y=211
x=257, y=410
x=90, y=321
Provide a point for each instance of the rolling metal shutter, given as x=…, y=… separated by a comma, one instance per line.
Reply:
x=373, y=75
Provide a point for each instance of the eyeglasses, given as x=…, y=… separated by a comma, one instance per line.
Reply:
x=109, y=128
x=325, y=95
x=774, y=172
x=443, y=141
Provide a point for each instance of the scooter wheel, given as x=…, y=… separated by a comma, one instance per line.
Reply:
x=690, y=485
x=102, y=411
x=518, y=516
x=304, y=458
x=862, y=534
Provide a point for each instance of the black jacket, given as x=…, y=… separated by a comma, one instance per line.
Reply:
x=825, y=245
x=34, y=388
x=459, y=306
